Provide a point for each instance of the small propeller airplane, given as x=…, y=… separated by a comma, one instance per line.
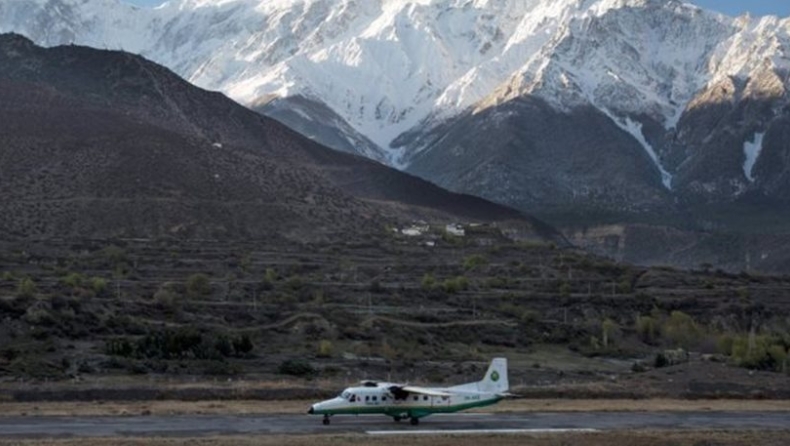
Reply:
x=401, y=401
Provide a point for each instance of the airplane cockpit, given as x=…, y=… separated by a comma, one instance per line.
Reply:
x=348, y=396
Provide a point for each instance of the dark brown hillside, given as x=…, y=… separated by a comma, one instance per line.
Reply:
x=102, y=144
x=71, y=169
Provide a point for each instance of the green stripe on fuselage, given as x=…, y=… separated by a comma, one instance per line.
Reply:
x=412, y=411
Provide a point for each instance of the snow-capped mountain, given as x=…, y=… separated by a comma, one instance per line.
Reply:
x=392, y=79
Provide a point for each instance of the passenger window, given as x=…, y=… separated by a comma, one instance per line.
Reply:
x=416, y=398
x=425, y=398
x=383, y=398
x=367, y=398
x=374, y=398
x=353, y=398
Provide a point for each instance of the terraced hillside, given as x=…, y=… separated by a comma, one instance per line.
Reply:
x=391, y=305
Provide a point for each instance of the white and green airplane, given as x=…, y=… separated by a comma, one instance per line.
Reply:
x=401, y=401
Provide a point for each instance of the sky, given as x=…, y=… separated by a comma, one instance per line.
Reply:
x=730, y=7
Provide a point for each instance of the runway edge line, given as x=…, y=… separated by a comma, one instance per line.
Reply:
x=481, y=431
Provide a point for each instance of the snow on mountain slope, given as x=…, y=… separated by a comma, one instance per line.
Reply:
x=391, y=66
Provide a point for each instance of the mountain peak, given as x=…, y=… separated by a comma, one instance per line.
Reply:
x=388, y=68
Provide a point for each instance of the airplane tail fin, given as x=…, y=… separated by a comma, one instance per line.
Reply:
x=495, y=380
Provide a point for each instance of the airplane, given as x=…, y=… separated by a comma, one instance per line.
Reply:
x=401, y=401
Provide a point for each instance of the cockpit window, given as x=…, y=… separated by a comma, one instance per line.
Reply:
x=345, y=395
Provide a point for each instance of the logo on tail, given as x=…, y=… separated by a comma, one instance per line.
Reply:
x=495, y=379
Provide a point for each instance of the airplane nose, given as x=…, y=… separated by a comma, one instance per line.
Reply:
x=311, y=410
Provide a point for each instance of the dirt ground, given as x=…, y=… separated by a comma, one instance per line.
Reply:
x=79, y=408
x=641, y=438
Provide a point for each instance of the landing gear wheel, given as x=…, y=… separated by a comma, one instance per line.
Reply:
x=326, y=420
x=397, y=418
x=414, y=421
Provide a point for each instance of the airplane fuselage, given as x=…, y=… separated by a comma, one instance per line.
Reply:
x=414, y=402
x=373, y=400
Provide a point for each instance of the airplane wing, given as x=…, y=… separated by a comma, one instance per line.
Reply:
x=418, y=390
x=371, y=383
x=402, y=390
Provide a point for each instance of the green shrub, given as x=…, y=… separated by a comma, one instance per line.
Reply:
x=724, y=344
x=509, y=309
x=474, y=261
x=760, y=352
x=496, y=282
x=681, y=329
x=270, y=276
x=624, y=286
x=529, y=317
x=595, y=344
x=456, y=285
x=295, y=283
x=198, y=285
x=565, y=289
x=647, y=329
x=778, y=355
x=245, y=263
x=324, y=349
x=296, y=367
x=73, y=280
x=182, y=343
x=167, y=299
x=98, y=285
x=119, y=347
x=223, y=345
x=114, y=254
x=608, y=329
x=26, y=288
x=243, y=345
x=428, y=282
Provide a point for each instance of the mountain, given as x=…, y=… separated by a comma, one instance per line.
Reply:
x=635, y=106
x=390, y=79
x=583, y=112
x=105, y=144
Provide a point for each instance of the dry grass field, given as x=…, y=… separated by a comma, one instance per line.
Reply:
x=247, y=407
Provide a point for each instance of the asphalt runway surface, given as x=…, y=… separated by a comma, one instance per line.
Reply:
x=203, y=425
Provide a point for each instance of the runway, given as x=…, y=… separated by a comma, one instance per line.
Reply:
x=204, y=425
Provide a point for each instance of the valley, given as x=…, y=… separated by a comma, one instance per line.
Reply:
x=527, y=180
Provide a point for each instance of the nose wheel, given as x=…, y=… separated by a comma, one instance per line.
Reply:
x=414, y=421
x=326, y=420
